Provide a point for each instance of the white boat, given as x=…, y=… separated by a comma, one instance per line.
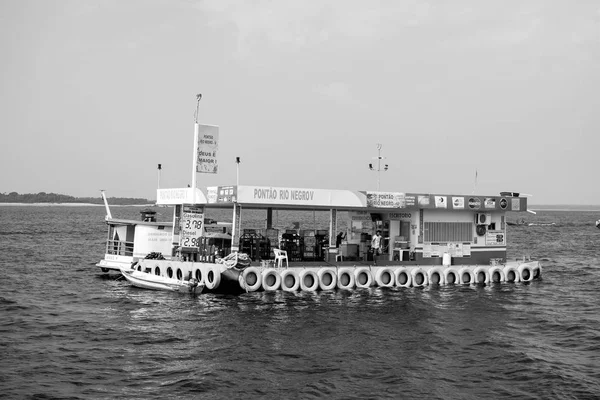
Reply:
x=130, y=240
x=148, y=280
x=598, y=224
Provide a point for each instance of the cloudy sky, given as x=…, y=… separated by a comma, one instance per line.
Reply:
x=94, y=94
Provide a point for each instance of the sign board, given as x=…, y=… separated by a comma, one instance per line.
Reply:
x=399, y=216
x=192, y=226
x=208, y=145
x=300, y=197
x=221, y=194
x=179, y=196
x=386, y=200
x=495, y=238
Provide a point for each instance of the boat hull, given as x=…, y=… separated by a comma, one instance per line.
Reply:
x=219, y=278
x=149, y=281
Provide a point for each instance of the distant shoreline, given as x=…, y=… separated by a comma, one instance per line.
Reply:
x=534, y=208
x=74, y=205
x=566, y=209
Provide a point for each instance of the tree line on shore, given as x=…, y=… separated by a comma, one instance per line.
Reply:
x=44, y=197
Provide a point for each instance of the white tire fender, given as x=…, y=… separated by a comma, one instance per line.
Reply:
x=290, y=281
x=309, y=280
x=482, y=275
x=435, y=276
x=536, y=270
x=384, y=277
x=419, y=277
x=525, y=272
x=213, y=277
x=451, y=276
x=271, y=280
x=466, y=276
x=327, y=278
x=402, y=277
x=363, y=277
x=512, y=274
x=345, y=279
x=251, y=279
x=497, y=275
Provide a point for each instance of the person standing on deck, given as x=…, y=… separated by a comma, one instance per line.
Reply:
x=339, y=239
x=376, y=245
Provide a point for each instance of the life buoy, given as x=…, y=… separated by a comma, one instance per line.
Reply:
x=525, y=272
x=480, y=230
x=213, y=278
x=451, y=276
x=402, y=277
x=251, y=279
x=345, y=279
x=466, y=276
x=435, y=276
x=419, y=277
x=271, y=280
x=327, y=279
x=309, y=280
x=290, y=281
x=363, y=278
x=482, y=275
x=511, y=274
x=384, y=277
x=496, y=274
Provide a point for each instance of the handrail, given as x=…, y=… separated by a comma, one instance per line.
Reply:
x=119, y=248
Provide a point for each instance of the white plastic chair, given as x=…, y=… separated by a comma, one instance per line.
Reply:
x=280, y=256
x=337, y=252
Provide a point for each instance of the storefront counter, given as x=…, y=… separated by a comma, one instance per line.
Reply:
x=349, y=251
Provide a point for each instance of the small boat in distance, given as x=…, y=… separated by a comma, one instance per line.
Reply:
x=522, y=222
x=598, y=224
x=518, y=223
x=148, y=280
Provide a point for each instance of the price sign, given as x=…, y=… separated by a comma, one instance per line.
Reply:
x=495, y=238
x=192, y=228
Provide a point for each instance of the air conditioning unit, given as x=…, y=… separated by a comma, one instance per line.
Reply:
x=484, y=219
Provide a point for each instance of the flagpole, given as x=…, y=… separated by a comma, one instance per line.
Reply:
x=195, y=149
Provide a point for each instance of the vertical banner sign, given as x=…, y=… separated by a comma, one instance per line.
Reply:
x=208, y=144
x=191, y=226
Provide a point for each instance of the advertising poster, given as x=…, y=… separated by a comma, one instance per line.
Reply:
x=455, y=249
x=427, y=250
x=489, y=202
x=458, y=203
x=466, y=249
x=474, y=203
x=440, y=202
x=515, y=204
